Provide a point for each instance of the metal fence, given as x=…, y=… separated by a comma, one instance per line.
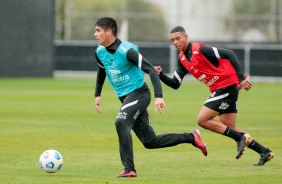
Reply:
x=263, y=60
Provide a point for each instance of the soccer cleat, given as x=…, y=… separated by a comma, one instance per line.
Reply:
x=127, y=174
x=198, y=142
x=241, y=145
x=265, y=158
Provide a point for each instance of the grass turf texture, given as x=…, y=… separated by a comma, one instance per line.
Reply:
x=59, y=113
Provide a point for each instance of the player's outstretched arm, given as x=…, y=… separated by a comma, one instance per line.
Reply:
x=159, y=104
x=246, y=85
x=159, y=69
x=97, y=104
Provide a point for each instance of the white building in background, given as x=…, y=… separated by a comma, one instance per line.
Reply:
x=202, y=19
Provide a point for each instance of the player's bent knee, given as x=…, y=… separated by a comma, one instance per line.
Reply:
x=201, y=122
x=119, y=123
x=148, y=145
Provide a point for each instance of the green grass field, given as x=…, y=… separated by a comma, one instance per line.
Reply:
x=59, y=113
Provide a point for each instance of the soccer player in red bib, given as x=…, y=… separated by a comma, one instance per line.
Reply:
x=221, y=71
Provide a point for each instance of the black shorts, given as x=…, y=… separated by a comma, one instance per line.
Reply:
x=224, y=100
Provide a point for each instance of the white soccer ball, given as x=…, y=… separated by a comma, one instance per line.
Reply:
x=51, y=161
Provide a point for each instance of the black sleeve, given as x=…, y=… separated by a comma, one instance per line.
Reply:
x=208, y=52
x=101, y=76
x=212, y=54
x=139, y=61
x=177, y=78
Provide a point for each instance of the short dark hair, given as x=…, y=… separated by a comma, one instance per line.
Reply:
x=108, y=23
x=178, y=29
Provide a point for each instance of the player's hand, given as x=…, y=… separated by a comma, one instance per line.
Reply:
x=158, y=69
x=159, y=104
x=245, y=84
x=97, y=103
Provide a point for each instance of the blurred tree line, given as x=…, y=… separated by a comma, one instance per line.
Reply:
x=260, y=15
x=75, y=19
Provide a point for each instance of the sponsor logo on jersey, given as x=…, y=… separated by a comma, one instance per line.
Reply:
x=215, y=78
x=202, y=78
x=121, y=78
x=114, y=72
x=113, y=62
x=115, y=76
x=195, y=70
